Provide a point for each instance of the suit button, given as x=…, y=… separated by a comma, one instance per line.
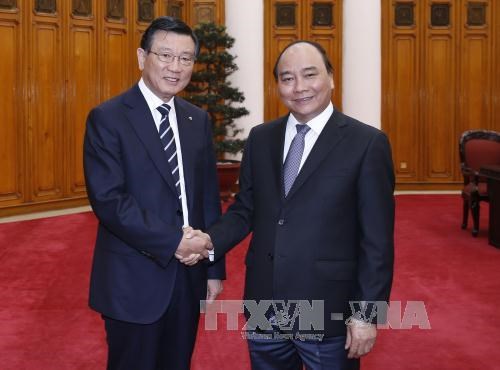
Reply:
x=270, y=256
x=281, y=222
x=179, y=212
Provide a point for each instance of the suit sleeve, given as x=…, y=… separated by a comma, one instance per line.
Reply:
x=117, y=210
x=211, y=206
x=376, y=219
x=236, y=223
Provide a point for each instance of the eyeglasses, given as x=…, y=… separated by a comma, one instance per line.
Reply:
x=185, y=60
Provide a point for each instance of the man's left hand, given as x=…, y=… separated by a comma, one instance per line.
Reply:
x=213, y=290
x=360, y=338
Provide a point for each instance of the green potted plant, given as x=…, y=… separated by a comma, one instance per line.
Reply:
x=211, y=90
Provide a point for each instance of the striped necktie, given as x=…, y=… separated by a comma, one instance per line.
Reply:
x=168, y=143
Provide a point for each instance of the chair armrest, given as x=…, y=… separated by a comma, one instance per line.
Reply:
x=467, y=171
x=470, y=175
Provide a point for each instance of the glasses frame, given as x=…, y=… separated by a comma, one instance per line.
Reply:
x=161, y=57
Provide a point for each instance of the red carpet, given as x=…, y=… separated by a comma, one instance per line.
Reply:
x=45, y=322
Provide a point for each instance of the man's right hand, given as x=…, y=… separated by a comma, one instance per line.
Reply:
x=193, y=247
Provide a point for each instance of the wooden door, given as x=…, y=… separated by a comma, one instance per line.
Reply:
x=13, y=95
x=439, y=79
x=286, y=21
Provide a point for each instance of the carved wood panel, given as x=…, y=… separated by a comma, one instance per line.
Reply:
x=12, y=129
x=45, y=6
x=197, y=11
x=146, y=11
x=81, y=94
x=45, y=110
x=115, y=9
x=8, y=4
x=438, y=162
x=82, y=8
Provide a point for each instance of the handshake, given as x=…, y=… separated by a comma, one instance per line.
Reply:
x=194, y=246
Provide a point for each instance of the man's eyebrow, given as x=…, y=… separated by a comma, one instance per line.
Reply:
x=306, y=69
x=310, y=69
x=284, y=73
x=164, y=49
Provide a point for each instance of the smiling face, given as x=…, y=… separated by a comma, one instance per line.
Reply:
x=166, y=79
x=304, y=85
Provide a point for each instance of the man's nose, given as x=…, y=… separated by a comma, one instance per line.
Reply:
x=300, y=85
x=175, y=65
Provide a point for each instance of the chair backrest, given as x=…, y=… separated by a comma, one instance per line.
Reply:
x=478, y=148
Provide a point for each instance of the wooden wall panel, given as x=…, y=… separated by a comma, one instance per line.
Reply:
x=142, y=13
x=438, y=82
x=276, y=38
x=286, y=21
x=496, y=62
x=475, y=73
x=206, y=11
x=453, y=87
x=81, y=95
x=317, y=28
x=475, y=83
x=60, y=59
x=46, y=110
x=115, y=52
x=11, y=128
x=196, y=11
x=404, y=125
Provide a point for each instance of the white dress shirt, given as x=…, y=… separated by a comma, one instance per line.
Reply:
x=153, y=103
x=317, y=124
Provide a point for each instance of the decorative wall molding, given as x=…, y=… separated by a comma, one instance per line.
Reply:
x=322, y=15
x=205, y=14
x=404, y=14
x=476, y=14
x=82, y=8
x=146, y=11
x=440, y=15
x=285, y=15
x=45, y=6
x=8, y=4
x=115, y=9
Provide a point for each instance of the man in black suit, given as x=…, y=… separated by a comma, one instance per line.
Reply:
x=150, y=173
x=316, y=190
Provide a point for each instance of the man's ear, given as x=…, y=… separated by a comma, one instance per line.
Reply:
x=141, y=57
x=332, y=83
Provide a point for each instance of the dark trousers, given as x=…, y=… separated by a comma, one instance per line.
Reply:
x=166, y=344
x=291, y=354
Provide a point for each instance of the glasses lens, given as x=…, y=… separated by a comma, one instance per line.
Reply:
x=169, y=58
x=187, y=61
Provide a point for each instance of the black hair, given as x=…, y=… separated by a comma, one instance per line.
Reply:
x=328, y=64
x=169, y=24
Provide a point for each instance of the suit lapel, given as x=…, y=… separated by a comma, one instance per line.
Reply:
x=140, y=117
x=330, y=136
x=277, y=142
x=184, y=125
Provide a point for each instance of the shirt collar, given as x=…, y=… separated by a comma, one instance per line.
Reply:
x=152, y=100
x=317, y=123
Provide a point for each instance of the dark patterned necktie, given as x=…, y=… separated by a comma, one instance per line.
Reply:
x=294, y=156
x=168, y=141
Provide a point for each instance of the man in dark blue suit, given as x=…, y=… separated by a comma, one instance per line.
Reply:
x=150, y=171
x=316, y=190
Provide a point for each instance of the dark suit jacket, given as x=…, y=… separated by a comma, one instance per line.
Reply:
x=331, y=239
x=131, y=191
